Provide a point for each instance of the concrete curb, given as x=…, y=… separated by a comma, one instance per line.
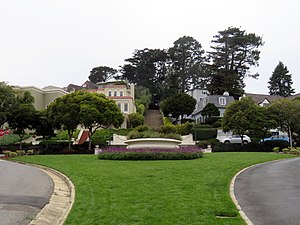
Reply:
x=232, y=195
x=61, y=201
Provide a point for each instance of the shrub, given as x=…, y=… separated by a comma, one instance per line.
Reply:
x=141, y=128
x=30, y=152
x=140, y=108
x=204, y=133
x=6, y=153
x=150, y=155
x=276, y=149
x=135, y=119
x=250, y=147
x=212, y=120
x=184, y=129
x=277, y=143
x=167, y=121
x=151, y=134
x=20, y=152
x=168, y=129
x=213, y=141
x=203, y=143
x=13, y=154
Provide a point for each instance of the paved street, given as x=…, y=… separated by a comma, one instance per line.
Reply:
x=270, y=193
x=24, y=191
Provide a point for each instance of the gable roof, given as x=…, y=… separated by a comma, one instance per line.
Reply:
x=259, y=98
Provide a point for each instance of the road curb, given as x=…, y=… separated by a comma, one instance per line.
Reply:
x=60, y=202
x=232, y=195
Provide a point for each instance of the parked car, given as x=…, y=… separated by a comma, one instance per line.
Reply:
x=236, y=139
x=276, y=138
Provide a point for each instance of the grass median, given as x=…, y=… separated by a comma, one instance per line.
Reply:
x=153, y=192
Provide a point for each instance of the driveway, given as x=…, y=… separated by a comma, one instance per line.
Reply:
x=269, y=193
x=24, y=191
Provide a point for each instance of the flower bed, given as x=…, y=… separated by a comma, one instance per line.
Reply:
x=122, y=153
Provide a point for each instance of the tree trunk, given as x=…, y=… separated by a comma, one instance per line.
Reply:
x=90, y=140
x=290, y=137
x=21, y=144
x=70, y=138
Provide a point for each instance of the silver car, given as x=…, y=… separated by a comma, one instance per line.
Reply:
x=236, y=139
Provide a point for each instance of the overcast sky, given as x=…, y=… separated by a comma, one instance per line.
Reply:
x=58, y=42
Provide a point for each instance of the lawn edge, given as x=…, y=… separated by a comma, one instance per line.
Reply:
x=60, y=202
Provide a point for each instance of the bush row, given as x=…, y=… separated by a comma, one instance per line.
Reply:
x=204, y=133
x=250, y=147
x=150, y=155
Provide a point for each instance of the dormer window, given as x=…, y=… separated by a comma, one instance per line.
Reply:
x=222, y=101
x=109, y=93
x=115, y=93
x=121, y=93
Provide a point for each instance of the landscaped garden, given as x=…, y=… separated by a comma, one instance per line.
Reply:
x=153, y=192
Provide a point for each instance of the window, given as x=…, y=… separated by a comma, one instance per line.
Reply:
x=119, y=106
x=115, y=93
x=121, y=93
x=222, y=101
x=125, y=107
x=109, y=93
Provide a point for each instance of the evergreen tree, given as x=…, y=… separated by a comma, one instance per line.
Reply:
x=234, y=53
x=281, y=81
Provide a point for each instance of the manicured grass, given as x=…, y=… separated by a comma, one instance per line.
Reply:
x=153, y=192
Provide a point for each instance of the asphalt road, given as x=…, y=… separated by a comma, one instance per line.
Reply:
x=24, y=191
x=269, y=193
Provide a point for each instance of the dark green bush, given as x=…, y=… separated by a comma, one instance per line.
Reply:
x=141, y=128
x=150, y=155
x=200, y=125
x=250, y=147
x=203, y=143
x=135, y=119
x=212, y=120
x=204, y=133
x=277, y=143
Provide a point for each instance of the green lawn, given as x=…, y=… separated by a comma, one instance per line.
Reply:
x=152, y=192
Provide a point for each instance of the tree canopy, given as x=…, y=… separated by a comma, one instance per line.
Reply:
x=281, y=81
x=178, y=105
x=7, y=100
x=210, y=110
x=240, y=116
x=22, y=115
x=234, y=53
x=186, y=64
x=102, y=74
x=91, y=110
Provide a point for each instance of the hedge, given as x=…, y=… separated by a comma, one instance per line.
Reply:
x=150, y=155
x=204, y=133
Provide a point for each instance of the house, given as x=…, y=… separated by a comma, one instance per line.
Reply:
x=266, y=100
x=44, y=96
x=203, y=97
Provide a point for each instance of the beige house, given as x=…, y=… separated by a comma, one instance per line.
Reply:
x=43, y=97
x=122, y=94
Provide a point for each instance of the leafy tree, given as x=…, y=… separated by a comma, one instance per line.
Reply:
x=136, y=119
x=7, y=99
x=147, y=68
x=43, y=126
x=178, y=105
x=234, y=53
x=22, y=114
x=96, y=111
x=187, y=62
x=210, y=110
x=287, y=115
x=239, y=117
x=281, y=81
x=64, y=113
x=142, y=99
x=102, y=74
x=264, y=121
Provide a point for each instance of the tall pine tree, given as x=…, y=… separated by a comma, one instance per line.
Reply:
x=233, y=54
x=281, y=81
